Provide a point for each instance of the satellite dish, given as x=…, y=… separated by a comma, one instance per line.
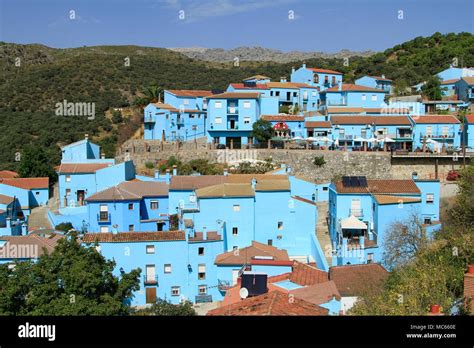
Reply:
x=244, y=293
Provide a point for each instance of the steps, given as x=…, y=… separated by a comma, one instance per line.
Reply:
x=322, y=230
x=39, y=219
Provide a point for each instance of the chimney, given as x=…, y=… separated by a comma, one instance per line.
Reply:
x=226, y=172
x=469, y=288
x=339, y=86
x=435, y=309
x=293, y=69
x=102, y=155
x=86, y=136
x=167, y=176
x=175, y=170
x=414, y=175
x=304, y=65
x=283, y=79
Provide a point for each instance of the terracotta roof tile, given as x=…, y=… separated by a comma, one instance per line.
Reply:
x=242, y=86
x=469, y=118
x=349, y=87
x=317, y=124
x=190, y=92
x=27, y=183
x=303, y=274
x=445, y=119
x=8, y=174
x=226, y=190
x=381, y=186
x=4, y=199
x=318, y=293
x=377, y=120
x=356, y=280
x=245, y=255
x=75, y=168
x=35, y=242
x=344, y=110
x=272, y=303
x=469, y=79
x=325, y=71
x=449, y=82
x=131, y=190
x=380, y=78
x=125, y=237
x=236, y=95
x=390, y=199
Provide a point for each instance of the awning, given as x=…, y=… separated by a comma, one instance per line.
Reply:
x=353, y=223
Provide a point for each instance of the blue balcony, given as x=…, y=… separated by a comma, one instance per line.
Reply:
x=437, y=136
x=149, y=119
x=103, y=217
x=233, y=110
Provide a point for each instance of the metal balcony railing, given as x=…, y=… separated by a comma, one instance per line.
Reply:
x=356, y=212
x=150, y=280
x=223, y=285
x=103, y=217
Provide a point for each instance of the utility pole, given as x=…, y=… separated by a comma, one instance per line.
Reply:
x=463, y=141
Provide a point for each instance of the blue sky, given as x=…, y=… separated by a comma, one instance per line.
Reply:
x=316, y=25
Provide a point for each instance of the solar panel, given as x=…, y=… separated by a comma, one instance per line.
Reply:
x=363, y=181
x=346, y=181
x=354, y=181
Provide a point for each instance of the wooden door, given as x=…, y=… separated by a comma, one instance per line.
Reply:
x=151, y=295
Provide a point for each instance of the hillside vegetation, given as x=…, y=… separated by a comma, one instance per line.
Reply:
x=46, y=76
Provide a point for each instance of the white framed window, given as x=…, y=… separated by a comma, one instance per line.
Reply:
x=246, y=120
x=430, y=198
x=150, y=273
x=104, y=229
x=150, y=249
x=175, y=291
x=153, y=205
x=202, y=289
x=236, y=207
x=68, y=178
x=201, y=271
x=167, y=268
x=429, y=130
x=445, y=130
x=218, y=120
x=364, y=97
x=246, y=105
x=374, y=97
x=218, y=104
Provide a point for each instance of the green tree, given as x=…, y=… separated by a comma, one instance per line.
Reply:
x=72, y=280
x=152, y=93
x=262, y=130
x=35, y=162
x=432, y=89
x=164, y=308
x=64, y=226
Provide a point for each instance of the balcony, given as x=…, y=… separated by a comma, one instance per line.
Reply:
x=189, y=207
x=233, y=110
x=394, y=136
x=345, y=137
x=357, y=212
x=203, y=298
x=149, y=119
x=103, y=217
x=336, y=103
x=150, y=280
x=437, y=136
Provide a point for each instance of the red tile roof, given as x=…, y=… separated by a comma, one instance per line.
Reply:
x=283, y=118
x=210, y=235
x=377, y=120
x=124, y=237
x=37, y=244
x=380, y=78
x=349, y=87
x=236, y=95
x=317, y=124
x=445, y=119
x=242, y=86
x=301, y=199
x=272, y=303
x=469, y=80
x=75, y=168
x=190, y=92
x=344, y=110
x=27, y=183
x=357, y=280
x=318, y=293
x=381, y=186
x=304, y=274
x=131, y=190
x=8, y=174
x=247, y=254
x=449, y=82
x=469, y=118
x=325, y=71
x=4, y=199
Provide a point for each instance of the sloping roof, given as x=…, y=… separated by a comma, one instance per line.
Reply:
x=190, y=92
x=34, y=245
x=381, y=186
x=390, y=111
x=344, y=110
x=243, y=86
x=247, y=178
x=236, y=95
x=124, y=237
x=325, y=71
x=349, y=87
x=226, y=190
x=379, y=78
x=318, y=293
x=390, y=199
x=469, y=79
x=356, y=280
x=76, y=168
x=27, y=183
x=469, y=118
x=317, y=124
x=192, y=182
x=272, y=303
x=283, y=118
x=8, y=174
x=377, y=120
x=245, y=255
x=273, y=185
x=445, y=119
x=4, y=199
x=131, y=190
x=287, y=85
x=304, y=274
x=449, y=82
x=301, y=199
x=354, y=223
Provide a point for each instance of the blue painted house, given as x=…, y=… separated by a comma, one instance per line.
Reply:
x=469, y=131
x=378, y=82
x=352, y=95
x=362, y=211
x=436, y=132
x=317, y=77
x=465, y=89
